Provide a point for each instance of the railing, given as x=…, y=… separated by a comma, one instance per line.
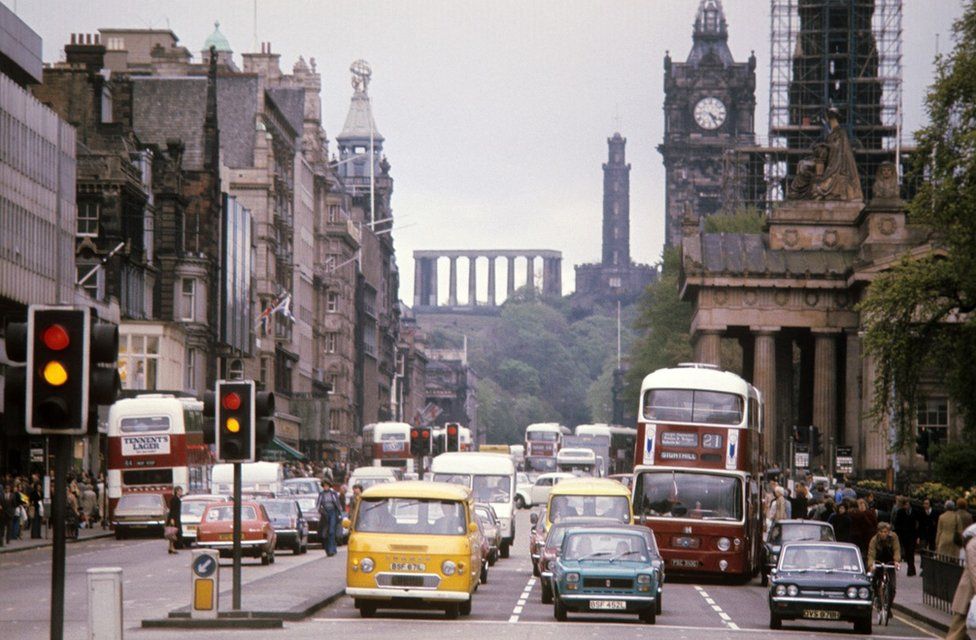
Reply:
x=940, y=576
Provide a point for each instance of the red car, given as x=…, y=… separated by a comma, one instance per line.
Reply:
x=537, y=540
x=216, y=530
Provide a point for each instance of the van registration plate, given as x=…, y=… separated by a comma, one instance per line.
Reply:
x=408, y=566
x=608, y=604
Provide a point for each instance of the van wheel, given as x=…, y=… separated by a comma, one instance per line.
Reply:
x=452, y=611
x=658, y=603
x=465, y=607
x=484, y=573
x=519, y=502
x=504, y=550
x=367, y=610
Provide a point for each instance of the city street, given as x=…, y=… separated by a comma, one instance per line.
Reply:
x=156, y=582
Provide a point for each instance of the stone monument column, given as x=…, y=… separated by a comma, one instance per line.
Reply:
x=511, y=276
x=418, y=281
x=452, y=284
x=529, y=272
x=764, y=378
x=491, y=281
x=852, y=389
x=708, y=346
x=432, y=283
x=824, y=384
x=473, y=281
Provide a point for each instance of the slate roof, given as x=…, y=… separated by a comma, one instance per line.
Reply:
x=742, y=254
x=291, y=103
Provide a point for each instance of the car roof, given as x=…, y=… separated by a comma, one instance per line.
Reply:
x=302, y=479
x=418, y=489
x=820, y=544
x=608, y=529
x=202, y=497
x=590, y=487
x=580, y=520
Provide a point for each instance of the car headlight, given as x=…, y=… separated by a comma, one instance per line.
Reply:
x=366, y=565
x=551, y=565
x=851, y=592
x=863, y=593
x=448, y=567
x=724, y=544
x=572, y=577
x=792, y=591
x=644, y=579
x=780, y=590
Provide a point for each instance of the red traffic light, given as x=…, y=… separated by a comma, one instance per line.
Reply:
x=452, y=430
x=56, y=338
x=414, y=433
x=231, y=402
x=426, y=433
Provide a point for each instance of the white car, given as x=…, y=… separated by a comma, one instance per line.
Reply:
x=538, y=493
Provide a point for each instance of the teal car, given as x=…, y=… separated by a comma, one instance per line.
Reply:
x=607, y=569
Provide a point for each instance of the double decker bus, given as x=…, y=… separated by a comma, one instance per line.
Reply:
x=621, y=455
x=542, y=442
x=387, y=444
x=697, y=469
x=155, y=444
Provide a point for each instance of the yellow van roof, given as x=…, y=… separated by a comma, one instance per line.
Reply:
x=418, y=489
x=589, y=487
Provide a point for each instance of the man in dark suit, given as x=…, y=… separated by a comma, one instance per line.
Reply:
x=928, y=519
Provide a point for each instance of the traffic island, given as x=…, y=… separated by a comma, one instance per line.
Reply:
x=224, y=620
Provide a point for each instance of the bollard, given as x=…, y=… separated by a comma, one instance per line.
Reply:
x=105, y=603
x=204, y=583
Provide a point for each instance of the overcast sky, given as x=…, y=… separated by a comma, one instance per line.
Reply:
x=495, y=113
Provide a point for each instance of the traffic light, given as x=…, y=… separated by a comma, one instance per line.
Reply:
x=264, y=429
x=437, y=442
x=15, y=380
x=104, y=382
x=453, y=437
x=415, y=444
x=799, y=435
x=425, y=442
x=58, y=361
x=816, y=446
x=922, y=443
x=235, y=421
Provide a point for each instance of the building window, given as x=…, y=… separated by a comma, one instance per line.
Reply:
x=139, y=361
x=115, y=44
x=330, y=262
x=190, y=370
x=188, y=287
x=263, y=372
x=333, y=213
x=333, y=380
x=332, y=302
x=88, y=213
x=235, y=371
x=335, y=420
x=284, y=367
x=933, y=416
x=331, y=342
x=94, y=286
x=615, y=282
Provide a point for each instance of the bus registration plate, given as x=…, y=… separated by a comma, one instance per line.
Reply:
x=608, y=604
x=821, y=614
x=678, y=562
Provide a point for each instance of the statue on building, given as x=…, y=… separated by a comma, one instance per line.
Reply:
x=839, y=180
x=886, y=183
x=808, y=173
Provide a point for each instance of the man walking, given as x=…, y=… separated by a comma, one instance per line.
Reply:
x=329, y=508
x=905, y=524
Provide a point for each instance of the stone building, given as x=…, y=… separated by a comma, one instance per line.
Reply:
x=452, y=385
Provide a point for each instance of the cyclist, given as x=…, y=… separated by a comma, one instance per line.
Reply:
x=884, y=549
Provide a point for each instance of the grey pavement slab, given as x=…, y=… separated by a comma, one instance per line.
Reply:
x=27, y=542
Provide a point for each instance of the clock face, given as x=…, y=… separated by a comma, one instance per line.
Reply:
x=710, y=113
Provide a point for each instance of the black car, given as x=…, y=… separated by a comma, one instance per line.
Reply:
x=820, y=581
x=307, y=504
x=791, y=531
x=288, y=523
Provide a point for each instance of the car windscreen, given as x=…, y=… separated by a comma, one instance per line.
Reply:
x=686, y=494
x=301, y=486
x=307, y=504
x=615, y=507
x=696, y=407
x=492, y=488
x=801, y=557
x=582, y=546
x=277, y=508
x=411, y=515
x=226, y=512
x=193, y=508
x=801, y=532
x=136, y=501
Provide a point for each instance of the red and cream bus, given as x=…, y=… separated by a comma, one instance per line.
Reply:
x=155, y=443
x=387, y=444
x=697, y=469
x=542, y=442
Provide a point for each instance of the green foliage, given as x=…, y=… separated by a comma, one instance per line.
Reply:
x=871, y=485
x=955, y=465
x=599, y=397
x=915, y=314
x=515, y=376
x=663, y=326
x=937, y=492
x=744, y=220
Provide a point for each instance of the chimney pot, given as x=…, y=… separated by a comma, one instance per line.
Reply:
x=73, y=37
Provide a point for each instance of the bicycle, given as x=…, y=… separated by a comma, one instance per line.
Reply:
x=883, y=594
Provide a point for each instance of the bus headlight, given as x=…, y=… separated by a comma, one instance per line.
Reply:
x=724, y=544
x=792, y=591
x=448, y=568
x=366, y=565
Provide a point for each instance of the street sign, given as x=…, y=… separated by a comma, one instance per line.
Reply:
x=844, y=460
x=206, y=583
x=801, y=457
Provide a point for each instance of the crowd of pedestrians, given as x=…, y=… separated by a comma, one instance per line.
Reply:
x=23, y=508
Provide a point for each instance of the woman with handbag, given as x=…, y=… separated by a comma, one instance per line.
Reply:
x=963, y=611
x=172, y=529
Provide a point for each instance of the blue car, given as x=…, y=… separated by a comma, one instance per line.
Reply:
x=607, y=569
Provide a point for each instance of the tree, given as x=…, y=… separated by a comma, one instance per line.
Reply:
x=918, y=316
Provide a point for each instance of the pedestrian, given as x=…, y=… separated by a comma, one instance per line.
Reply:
x=801, y=502
x=905, y=524
x=864, y=523
x=962, y=512
x=329, y=508
x=927, y=522
x=966, y=588
x=841, y=521
x=948, y=533
x=173, y=518
x=778, y=507
x=357, y=492
x=6, y=513
x=37, y=510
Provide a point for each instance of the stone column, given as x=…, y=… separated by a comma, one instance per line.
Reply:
x=452, y=285
x=557, y=268
x=708, y=346
x=491, y=281
x=764, y=379
x=418, y=281
x=511, y=276
x=784, y=399
x=473, y=281
x=529, y=272
x=852, y=389
x=432, y=284
x=824, y=385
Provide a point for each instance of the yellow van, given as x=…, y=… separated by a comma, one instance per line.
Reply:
x=589, y=497
x=414, y=544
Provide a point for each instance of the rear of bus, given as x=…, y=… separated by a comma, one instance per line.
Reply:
x=391, y=446
x=541, y=445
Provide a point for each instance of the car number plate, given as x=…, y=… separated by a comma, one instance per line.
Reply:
x=608, y=604
x=821, y=614
x=407, y=566
x=678, y=562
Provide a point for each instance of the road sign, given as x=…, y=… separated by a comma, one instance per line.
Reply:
x=205, y=583
x=801, y=457
x=844, y=460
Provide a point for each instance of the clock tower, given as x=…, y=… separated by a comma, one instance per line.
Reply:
x=709, y=107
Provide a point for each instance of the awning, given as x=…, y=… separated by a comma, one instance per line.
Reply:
x=278, y=450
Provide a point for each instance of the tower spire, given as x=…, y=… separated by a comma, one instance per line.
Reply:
x=710, y=36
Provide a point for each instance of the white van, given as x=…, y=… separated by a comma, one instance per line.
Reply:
x=256, y=477
x=578, y=461
x=366, y=477
x=491, y=477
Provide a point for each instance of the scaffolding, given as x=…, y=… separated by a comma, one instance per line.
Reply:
x=830, y=53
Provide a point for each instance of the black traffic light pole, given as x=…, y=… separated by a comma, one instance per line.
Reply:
x=237, y=537
x=62, y=453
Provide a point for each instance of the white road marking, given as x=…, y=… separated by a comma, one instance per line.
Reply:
x=726, y=619
x=520, y=604
x=513, y=619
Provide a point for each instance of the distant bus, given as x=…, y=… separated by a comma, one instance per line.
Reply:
x=542, y=442
x=387, y=444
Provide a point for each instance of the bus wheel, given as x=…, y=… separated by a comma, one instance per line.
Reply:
x=504, y=550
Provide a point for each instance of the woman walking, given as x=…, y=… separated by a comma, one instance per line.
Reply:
x=173, y=519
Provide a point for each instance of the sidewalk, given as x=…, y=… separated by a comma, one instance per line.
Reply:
x=910, y=602
x=292, y=594
x=27, y=543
